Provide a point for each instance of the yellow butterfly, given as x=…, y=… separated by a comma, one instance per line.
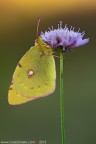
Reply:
x=34, y=76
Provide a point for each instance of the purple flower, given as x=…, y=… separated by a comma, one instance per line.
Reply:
x=64, y=38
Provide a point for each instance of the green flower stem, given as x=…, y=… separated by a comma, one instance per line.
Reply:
x=62, y=96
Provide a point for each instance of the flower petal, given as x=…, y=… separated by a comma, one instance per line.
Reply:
x=64, y=37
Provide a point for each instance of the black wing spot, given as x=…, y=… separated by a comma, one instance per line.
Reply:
x=19, y=65
x=11, y=83
x=41, y=53
x=32, y=88
x=10, y=88
x=39, y=86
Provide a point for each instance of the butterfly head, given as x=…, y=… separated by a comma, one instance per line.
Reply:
x=46, y=49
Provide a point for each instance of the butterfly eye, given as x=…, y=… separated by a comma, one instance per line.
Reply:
x=19, y=65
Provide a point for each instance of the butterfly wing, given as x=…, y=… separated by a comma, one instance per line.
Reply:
x=34, y=75
x=15, y=98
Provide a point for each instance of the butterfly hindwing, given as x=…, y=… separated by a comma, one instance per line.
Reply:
x=15, y=98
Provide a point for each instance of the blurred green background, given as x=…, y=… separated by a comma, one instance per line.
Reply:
x=40, y=119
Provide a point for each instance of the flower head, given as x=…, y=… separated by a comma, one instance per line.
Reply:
x=64, y=38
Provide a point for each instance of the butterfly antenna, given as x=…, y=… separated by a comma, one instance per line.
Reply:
x=37, y=27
